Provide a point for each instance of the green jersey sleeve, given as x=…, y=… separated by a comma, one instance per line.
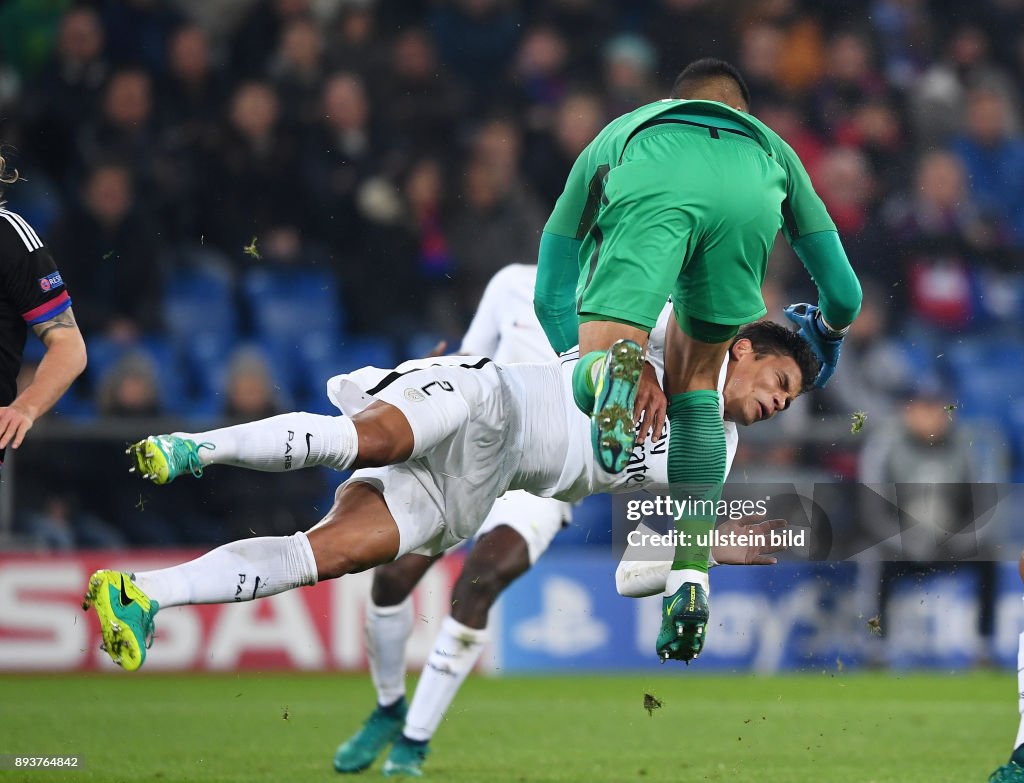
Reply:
x=812, y=235
x=803, y=211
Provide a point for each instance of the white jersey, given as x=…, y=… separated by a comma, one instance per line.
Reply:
x=505, y=326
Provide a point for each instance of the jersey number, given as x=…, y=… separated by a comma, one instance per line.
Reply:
x=443, y=385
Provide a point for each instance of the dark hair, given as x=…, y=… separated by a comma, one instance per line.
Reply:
x=770, y=338
x=704, y=70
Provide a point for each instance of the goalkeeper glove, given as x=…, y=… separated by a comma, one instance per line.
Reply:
x=825, y=341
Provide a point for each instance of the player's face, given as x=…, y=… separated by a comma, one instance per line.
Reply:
x=757, y=388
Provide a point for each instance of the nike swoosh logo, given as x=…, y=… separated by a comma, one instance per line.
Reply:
x=309, y=437
x=125, y=600
x=672, y=605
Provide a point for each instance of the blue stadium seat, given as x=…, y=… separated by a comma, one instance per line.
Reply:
x=988, y=375
x=321, y=357
x=919, y=358
x=591, y=523
x=422, y=343
x=200, y=301
x=287, y=305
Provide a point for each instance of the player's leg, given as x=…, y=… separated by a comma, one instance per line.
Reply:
x=636, y=248
x=358, y=533
x=517, y=532
x=1013, y=770
x=379, y=435
x=718, y=291
x=389, y=619
x=696, y=471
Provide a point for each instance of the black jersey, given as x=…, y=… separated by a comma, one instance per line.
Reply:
x=31, y=291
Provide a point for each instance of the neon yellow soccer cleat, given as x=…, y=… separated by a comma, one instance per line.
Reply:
x=162, y=458
x=126, y=617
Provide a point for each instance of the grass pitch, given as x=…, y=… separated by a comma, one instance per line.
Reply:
x=832, y=727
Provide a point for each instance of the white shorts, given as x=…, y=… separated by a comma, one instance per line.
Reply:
x=537, y=520
x=466, y=434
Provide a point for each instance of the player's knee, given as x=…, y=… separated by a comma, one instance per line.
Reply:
x=480, y=587
x=385, y=437
x=336, y=559
x=333, y=564
x=374, y=445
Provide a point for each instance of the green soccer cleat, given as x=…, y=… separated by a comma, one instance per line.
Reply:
x=126, y=617
x=162, y=458
x=406, y=759
x=684, y=622
x=381, y=729
x=1008, y=773
x=612, y=431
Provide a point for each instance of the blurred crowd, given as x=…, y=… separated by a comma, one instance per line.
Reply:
x=401, y=153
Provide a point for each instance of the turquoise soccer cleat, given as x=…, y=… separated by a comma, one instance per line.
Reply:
x=378, y=731
x=406, y=759
x=162, y=458
x=684, y=623
x=125, y=614
x=612, y=429
x=1008, y=773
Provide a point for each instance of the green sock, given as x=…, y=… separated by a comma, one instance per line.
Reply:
x=583, y=381
x=696, y=470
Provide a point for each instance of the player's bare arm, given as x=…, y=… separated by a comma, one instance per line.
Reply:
x=64, y=360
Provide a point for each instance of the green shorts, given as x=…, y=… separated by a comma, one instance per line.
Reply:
x=684, y=214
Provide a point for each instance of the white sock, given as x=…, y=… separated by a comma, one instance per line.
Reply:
x=677, y=579
x=240, y=571
x=455, y=653
x=1020, y=692
x=388, y=629
x=286, y=442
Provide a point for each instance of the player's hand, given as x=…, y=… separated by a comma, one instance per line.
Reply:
x=651, y=405
x=825, y=341
x=14, y=424
x=438, y=350
x=751, y=554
